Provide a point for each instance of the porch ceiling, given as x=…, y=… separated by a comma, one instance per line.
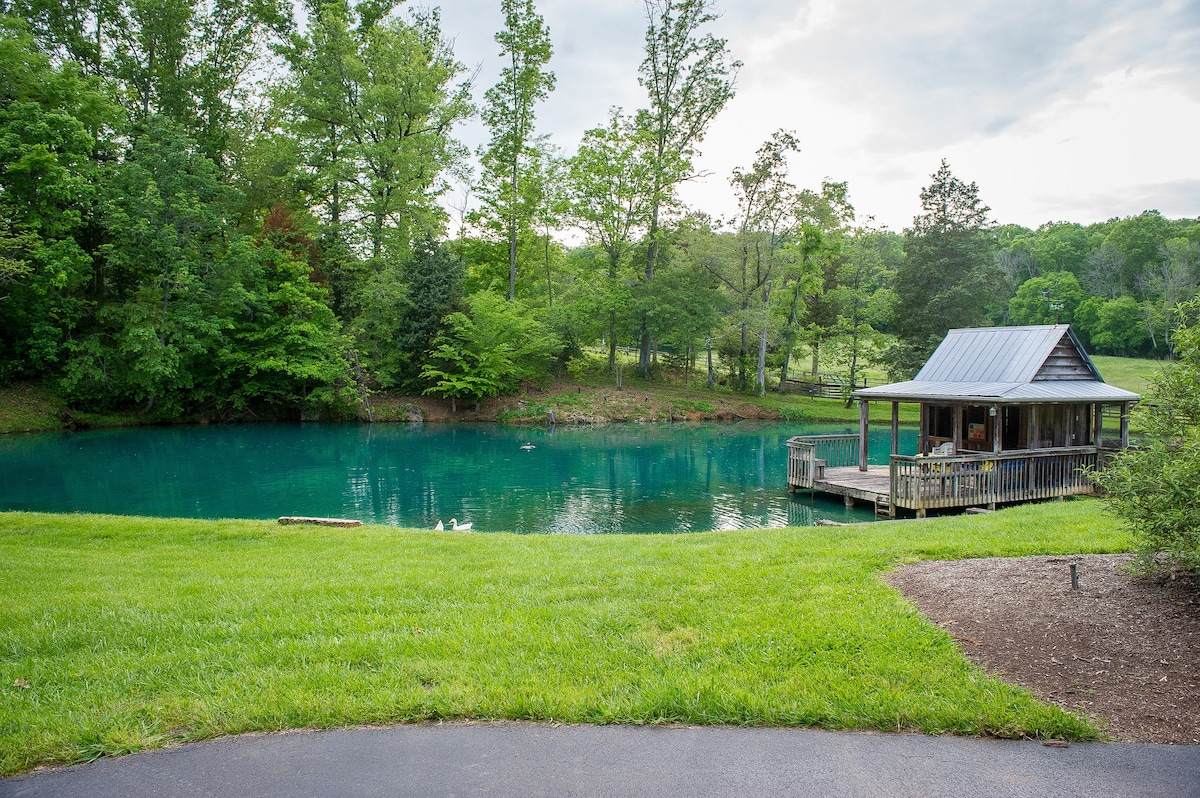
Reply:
x=1049, y=392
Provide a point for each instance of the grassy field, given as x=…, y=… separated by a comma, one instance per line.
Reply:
x=120, y=634
x=1130, y=373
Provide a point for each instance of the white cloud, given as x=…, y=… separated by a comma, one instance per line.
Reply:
x=1075, y=110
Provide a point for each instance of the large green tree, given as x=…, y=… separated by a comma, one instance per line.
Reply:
x=948, y=279
x=512, y=182
x=1049, y=299
x=689, y=77
x=610, y=182
x=52, y=126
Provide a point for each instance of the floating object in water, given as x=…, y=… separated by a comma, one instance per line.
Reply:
x=457, y=527
x=304, y=519
x=528, y=446
x=440, y=526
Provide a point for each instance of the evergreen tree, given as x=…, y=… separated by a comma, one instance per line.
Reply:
x=948, y=279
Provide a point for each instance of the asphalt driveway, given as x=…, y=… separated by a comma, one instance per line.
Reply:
x=531, y=760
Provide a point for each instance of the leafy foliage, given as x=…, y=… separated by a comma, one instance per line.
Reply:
x=488, y=350
x=1155, y=487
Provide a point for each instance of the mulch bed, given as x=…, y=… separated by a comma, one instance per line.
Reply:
x=1122, y=650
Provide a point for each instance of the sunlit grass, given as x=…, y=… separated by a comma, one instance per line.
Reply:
x=1130, y=373
x=125, y=633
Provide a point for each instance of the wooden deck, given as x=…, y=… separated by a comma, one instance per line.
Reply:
x=974, y=479
x=872, y=485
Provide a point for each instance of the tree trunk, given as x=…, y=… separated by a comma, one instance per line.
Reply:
x=762, y=362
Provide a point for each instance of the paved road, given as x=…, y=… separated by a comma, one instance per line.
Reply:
x=529, y=760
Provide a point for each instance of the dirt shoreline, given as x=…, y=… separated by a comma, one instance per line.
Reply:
x=1122, y=650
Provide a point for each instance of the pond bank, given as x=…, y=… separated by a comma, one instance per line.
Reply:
x=26, y=407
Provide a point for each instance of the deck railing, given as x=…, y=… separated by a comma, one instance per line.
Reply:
x=808, y=455
x=922, y=483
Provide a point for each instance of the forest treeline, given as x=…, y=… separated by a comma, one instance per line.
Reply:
x=227, y=207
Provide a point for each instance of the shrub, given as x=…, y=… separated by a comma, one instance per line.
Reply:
x=1155, y=487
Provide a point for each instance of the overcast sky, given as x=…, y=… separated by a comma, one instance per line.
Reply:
x=1060, y=110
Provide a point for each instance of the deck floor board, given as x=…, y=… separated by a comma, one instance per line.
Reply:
x=869, y=485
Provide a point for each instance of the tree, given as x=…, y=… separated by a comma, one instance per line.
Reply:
x=766, y=211
x=51, y=123
x=948, y=278
x=488, y=350
x=280, y=346
x=510, y=186
x=1138, y=239
x=610, y=181
x=1111, y=326
x=1155, y=487
x=825, y=216
x=1173, y=279
x=1049, y=299
x=373, y=103
x=164, y=212
x=689, y=78
x=1105, y=272
x=433, y=290
x=864, y=297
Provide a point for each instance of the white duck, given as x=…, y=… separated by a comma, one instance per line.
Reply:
x=440, y=526
x=457, y=527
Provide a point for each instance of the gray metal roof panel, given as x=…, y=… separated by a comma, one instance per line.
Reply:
x=1003, y=392
x=992, y=354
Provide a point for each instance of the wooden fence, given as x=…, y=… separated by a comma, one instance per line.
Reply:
x=809, y=455
x=925, y=483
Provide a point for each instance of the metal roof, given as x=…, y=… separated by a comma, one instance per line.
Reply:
x=993, y=354
x=1000, y=364
x=1004, y=392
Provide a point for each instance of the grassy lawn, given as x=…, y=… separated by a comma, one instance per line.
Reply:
x=1130, y=373
x=126, y=633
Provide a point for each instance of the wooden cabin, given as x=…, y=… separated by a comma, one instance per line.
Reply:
x=1008, y=414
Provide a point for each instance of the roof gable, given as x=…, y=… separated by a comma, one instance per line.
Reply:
x=1009, y=355
x=1012, y=365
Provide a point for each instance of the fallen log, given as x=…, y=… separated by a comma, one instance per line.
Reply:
x=300, y=519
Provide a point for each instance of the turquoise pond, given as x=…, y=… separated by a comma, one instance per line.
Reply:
x=630, y=478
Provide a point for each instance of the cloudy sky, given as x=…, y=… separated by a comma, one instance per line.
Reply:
x=1060, y=110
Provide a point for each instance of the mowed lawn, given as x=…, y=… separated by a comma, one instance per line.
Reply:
x=1130, y=373
x=126, y=633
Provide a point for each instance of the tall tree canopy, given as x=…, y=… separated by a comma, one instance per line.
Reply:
x=948, y=279
x=512, y=186
x=689, y=77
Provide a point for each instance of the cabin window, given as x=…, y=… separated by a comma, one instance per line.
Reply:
x=977, y=429
x=939, y=424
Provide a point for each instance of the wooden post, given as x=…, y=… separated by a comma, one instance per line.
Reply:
x=1032, y=437
x=862, y=434
x=997, y=417
x=1125, y=425
x=922, y=437
x=1098, y=426
x=895, y=428
x=958, y=414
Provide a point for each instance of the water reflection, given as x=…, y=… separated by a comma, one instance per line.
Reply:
x=596, y=480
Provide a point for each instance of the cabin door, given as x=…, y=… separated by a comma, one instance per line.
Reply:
x=1014, y=429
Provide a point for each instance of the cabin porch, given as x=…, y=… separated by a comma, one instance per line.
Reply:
x=829, y=464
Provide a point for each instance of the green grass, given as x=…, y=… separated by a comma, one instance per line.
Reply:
x=120, y=634
x=28, y=408
x=1130, y=373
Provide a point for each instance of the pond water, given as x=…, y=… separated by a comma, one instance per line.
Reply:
x=628, y=478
